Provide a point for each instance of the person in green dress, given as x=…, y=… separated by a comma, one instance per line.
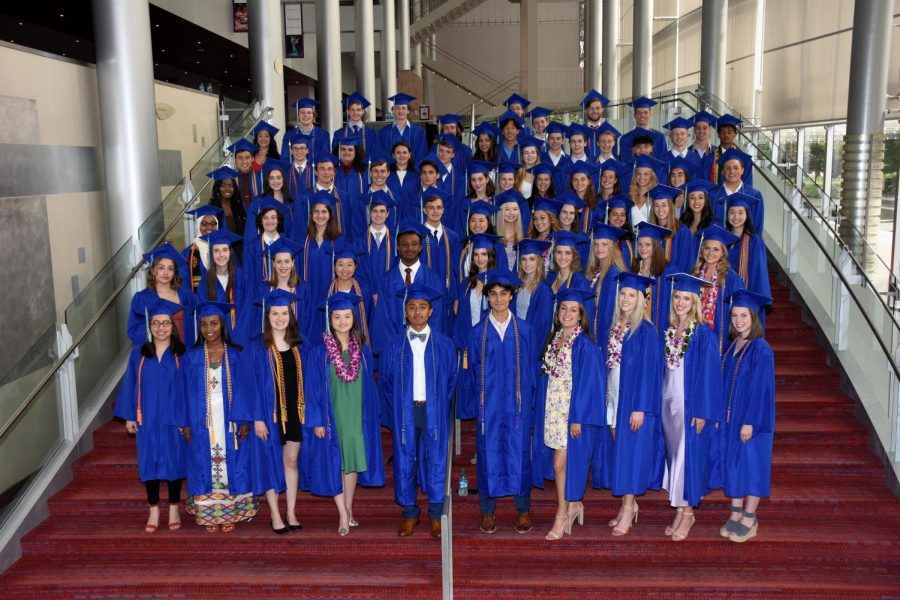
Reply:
x=344, y=412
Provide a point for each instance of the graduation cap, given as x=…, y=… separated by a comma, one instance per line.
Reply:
x=573, y=294
x=592, y=96
x=698, y=185
x=620, y=201
x=381, y=198
x=571, y=198
x=510, y=195
x=243, y=145
x=408, y=225
x=679, y=123
x=434, y=192
x=345, y=251
x=284, y=245
x=746, y=299
x=618, y=167
x=378, y=156
x=578, y=129
x=481, y=207
x=208, y=308
x=647, y=162
x=264, y=126
x=220, y=237
x=726, y=120
x=432, y=159
x=639, y=132
x=350, y=140
x=704, y=117
x=323, y=197
x=642, y=102
x=272, y=164
x=510, y=116
x=165, y=250
x=327, y=157
x=550, y=205
x=207, y=210
x=568, y=239
x=663, y=192
x=602, y=231
x=500, y=276
x=355, y=98
x=297, y=137
x=556, y=127
x=517, y=99
x=486, y=128
x=338, y=301
x=450, y=119
x=448, y=139
x=401, y=99
x=530, y=246
x=634, y=281
x=480, y=166
x=267, y=203
x=684, y=282
x=679, y=162
x=483, y=241
x=539, y=111
x=649, y=230
x=741, y=200
x=583, y=167
x=223, y=173
x=605, y=126
x=530, y=142
x=507, y=167
x=719, y=234
x=735, y=154
x=419, y=291
x=541, y=169
x=305, y=103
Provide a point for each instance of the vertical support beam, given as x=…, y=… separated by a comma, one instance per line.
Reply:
x=714, y=18
x=127, y=115
x=365, y=54
x=266, y=37
x=610, y=58
x=758, y=58
x=595, y=44
x=417, y=48
x=829, y=170
x=405, y=49
x=642, y=51
x=801, y=158
x=328, y=47
x=528, y=46
x=431, y=93
x=389, y=52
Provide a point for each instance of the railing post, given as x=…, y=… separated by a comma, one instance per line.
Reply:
x=842, y=314
x=66, y=389
x=829, y=170
x=793, y=232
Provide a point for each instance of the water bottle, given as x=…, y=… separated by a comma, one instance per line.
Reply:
x=463, y=484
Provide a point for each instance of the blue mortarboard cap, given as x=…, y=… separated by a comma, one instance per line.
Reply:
x=634, y=281
x=501, y=276
x=401, y=99
x=605, y=126
x=530, y=246
x=355, y=98
x=481, y=207
x=663, y=192
x=530, y=142
x=165, y=250
x=719, y=234
x=223, y=173
x=602, y=231
x=510, y=116
x=346, y=251
x=679, y=123
x=221, y=236
x=483, y=241
x=434, y=192
x=735, y=154
x=571, y=198
x=284, y=245
x=556, y=127
x=323, y=197
x=327, y=157
x=419, y=291
x=272, y=164
x=728, y=120
x=705, y=117
x=568, y=238
x=243, y=145
x=486, y=128
x=411, y=226
x=582, y=166
x=305, y=103
x=642, y=102
x=480, y=166
x=614, y=165
x=550, y=205
x=296, y=137
x=206, y=210
x=578, y=129
x=698, y=184
x=683, y=282
x=517, y=99
x=377, y=156
x=381, y=198
x=264, y=126
x=507, y=167
x=649, y=230
x=349, y=140
x=268, y=202
x=679, y=162
x=449, y=119
x=510, y=195
x=449, y=139
x=541, y=169
x=640, y=132
x=208, y=308
x=279, y=297
x=746, y=299
x=161, y=306
x=646, y=161
x=340, y=301
x=620, y=201
x=594, y=95
x=742, y=200
x=539, y=111
x=432, y=159
x=574, y=294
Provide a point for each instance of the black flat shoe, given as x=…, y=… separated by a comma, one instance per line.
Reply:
x=281, y=531
x=296, y=527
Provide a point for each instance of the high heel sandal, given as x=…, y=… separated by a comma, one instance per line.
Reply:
x=728, y=528
x=574, y=515
x=677, y=536
x=614, y=522
x=670, y=529
x=632, y=521
x=742, y=532
x=565, y=520
x=150, y=527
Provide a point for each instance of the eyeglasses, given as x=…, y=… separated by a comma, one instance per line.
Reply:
x=160, y=324
x=208, y=223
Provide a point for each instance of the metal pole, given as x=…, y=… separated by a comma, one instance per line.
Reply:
x=266, y=37
x=829, y=170
x=642, y=51
x=365, y=52
x=127, y=115
x=595, y=43
x=389, y=53
x=328, y=46
x=405, y=50
x=714, y=18
x=610, y=58
x=863, y=157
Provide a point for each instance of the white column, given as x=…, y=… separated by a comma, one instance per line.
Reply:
x=405, y=50
x=266, y=37
x=365, y=53
x=328, y=46
x=389, y=53
x=642, y=51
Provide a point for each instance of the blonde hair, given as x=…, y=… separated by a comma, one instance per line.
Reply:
x=722, y=267
x=500, y=226
x=539, y=274
x=595, y=265
x=673, y=221
x=637, y=317
x=695, y=314
x=634, y=189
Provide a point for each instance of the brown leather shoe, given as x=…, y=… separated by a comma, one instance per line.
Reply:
x=406, y=527
x=488, y=523
x=523, y=523
x=436, y=528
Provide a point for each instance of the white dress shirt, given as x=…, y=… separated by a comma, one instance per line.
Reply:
x=500, y=327
x=419, y=387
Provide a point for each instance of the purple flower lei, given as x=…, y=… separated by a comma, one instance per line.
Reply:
x=346, y=373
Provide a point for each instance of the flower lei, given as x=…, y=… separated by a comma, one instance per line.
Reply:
x=709, y=295
x=555, y=360
x=617, y=335
x=677, y=345
x=346, y=373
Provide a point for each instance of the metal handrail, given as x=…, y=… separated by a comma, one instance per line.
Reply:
x=447, y=513
x=87, y=329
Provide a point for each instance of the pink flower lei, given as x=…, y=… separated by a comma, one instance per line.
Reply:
x=554, y=359
x=677, y=345
x=614, y=343
x=346, y=373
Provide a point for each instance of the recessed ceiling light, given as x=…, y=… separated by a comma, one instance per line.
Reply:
x=198, y=62
x=20, y=23
x=199, y=42
x=163, y=50
x=77, y=41
x=156, y=24
x=61, y=15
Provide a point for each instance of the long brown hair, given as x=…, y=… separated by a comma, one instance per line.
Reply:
x=658, y=260
x=332, y=228
x=596, y=266
x=212, y=278
x=554, y=225
x=756, y=330
x=291, y=334
x=151, y=275
x=355, y=332
x=582, y=322
x=473, y=270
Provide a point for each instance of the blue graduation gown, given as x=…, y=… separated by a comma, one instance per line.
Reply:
x=300, y=181
x=193, y=268
x=193, y=415
x=757, y=215
x=319, y=146
x=462, y=325
x=369, y=138
x=401, y=191
x=442, y=256
x=412, y=134
x=161, y=450
x=539, y=315
x=637, y=454
x=600, y=311
x=352, y=188
x=322, y=457
x=659, y=145
x=503, y=424
x=707, y=171
x=748, y=259
x=455, y=185
x=586, y=407
x=250, y=185
x=256, y=265
x=411, y=203
x=679, y=248
x=628, y=246
x=396, y=379
x=241, y=331
x=723, y=316
x=359, y=215
x=658, y=298
x=387, y=321
x=377, y=260
x=751, y=396
x=137, y=318
x=314, y=266
x=702, y=400
x=576, y=281
x=250, y=230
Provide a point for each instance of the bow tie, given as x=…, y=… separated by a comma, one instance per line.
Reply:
x=417, y=336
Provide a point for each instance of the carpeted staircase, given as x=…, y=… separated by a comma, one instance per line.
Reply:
x=831, y=529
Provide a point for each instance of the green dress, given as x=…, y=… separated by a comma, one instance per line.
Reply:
x=347, y=399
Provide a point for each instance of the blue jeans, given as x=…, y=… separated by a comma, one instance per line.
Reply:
x=489, y=503
x=434, y=511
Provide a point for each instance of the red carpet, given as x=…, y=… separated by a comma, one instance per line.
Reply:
x=831, y=529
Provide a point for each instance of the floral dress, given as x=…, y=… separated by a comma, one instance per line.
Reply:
x=558, y=365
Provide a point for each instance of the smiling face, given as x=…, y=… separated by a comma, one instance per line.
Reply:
x=510, y=212
x=712, y=252
x=608, y=180
x=682, y=303
x=161, y=327
x=284, y=264
x=567, y=215
x=325, y=174
x=680, y=138
x=696, y=201
x=401, y=156
x=164, y=272
x=263, y=139
x=541, y=221
x=727, y=133
x=540, y=124
x=642, y=176
x=344, y=269
x=306, y=116
x=542, y=184
x=734, y=171
x=677, y=178
x=408, y=247
x=320, y=215
x=242, y=161
x=563, y=257
x=279, y=318
x=401, y=112
x=741, y=320
x=510, y=132
x=499, y=298
x=569, y=314
x=211, y=329
x=342, y=320
x=529, y=263
x=299, y=152
x=480, y=258
x=379, y=174
x=576, y=144
x=506, y=181
x=209, y=223
x=221, y=254
x=276, y=180
x=529, y=156
x=662, y=210
x=378, y=215
x=601, y=249
x=580, y=183
x=434, y=211
x=417, y=313
x=478, y=223
x=594, y=111
x=645, y=247
x=485, y=142
x=479, y=183
x=355, y=111
x=617, y=217
x=702, y=131
x=346, y=153
x=737, y=216
x=628, y=299
x=269, y=221
x=642, y=117
x=555, y=141
x=606, y=142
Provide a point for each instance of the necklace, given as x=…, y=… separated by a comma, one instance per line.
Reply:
x=346, y=373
